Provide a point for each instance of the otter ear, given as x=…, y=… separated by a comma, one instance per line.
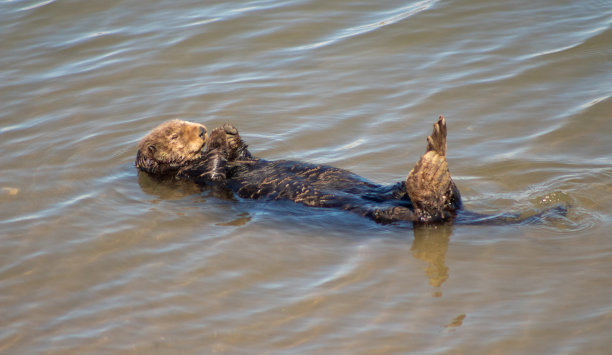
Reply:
x=145, y=164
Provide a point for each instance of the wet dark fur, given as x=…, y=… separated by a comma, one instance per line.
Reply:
x=227, y=161
x=428, y=195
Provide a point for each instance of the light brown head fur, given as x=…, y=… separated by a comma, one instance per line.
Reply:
x=170, y=146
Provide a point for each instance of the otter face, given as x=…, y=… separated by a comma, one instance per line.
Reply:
x=170, y=146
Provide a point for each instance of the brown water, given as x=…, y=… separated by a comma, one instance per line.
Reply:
x=97, y=259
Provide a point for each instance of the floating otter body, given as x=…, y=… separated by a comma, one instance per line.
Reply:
x=428, y=195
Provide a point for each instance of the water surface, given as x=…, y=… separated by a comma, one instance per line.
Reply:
x=96, y=258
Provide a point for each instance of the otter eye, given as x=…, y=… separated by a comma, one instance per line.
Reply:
x=174, y=136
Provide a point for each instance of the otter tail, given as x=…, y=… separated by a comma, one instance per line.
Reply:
x=551, y=213
x=429, y=185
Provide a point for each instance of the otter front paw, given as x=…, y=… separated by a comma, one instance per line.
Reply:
x=236, y=146
x=230, y=129
x=233, y=138
x=217, y=139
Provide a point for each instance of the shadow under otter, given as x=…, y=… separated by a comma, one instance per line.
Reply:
x=427, y=196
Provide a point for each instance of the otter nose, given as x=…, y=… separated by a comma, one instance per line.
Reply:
x=202, y=131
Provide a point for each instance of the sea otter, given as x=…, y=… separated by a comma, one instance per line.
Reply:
x=428, y=195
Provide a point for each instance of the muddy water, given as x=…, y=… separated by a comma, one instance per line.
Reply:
x=96, y=258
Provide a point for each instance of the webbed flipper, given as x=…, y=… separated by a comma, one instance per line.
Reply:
x=429, y=185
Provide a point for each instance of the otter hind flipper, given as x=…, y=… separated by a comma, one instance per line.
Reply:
x=429, y=184
x=437, y=140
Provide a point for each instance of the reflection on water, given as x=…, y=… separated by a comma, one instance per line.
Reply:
x=456, y=322
x=430, y=245
x=96, y=258
x=167, y=189
x=242, y=219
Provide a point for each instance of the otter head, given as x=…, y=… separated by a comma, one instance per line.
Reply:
x=170, y=146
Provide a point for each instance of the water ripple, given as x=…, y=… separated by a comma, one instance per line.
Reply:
x=99, y=258
x=390, y=18
x=36, y=5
